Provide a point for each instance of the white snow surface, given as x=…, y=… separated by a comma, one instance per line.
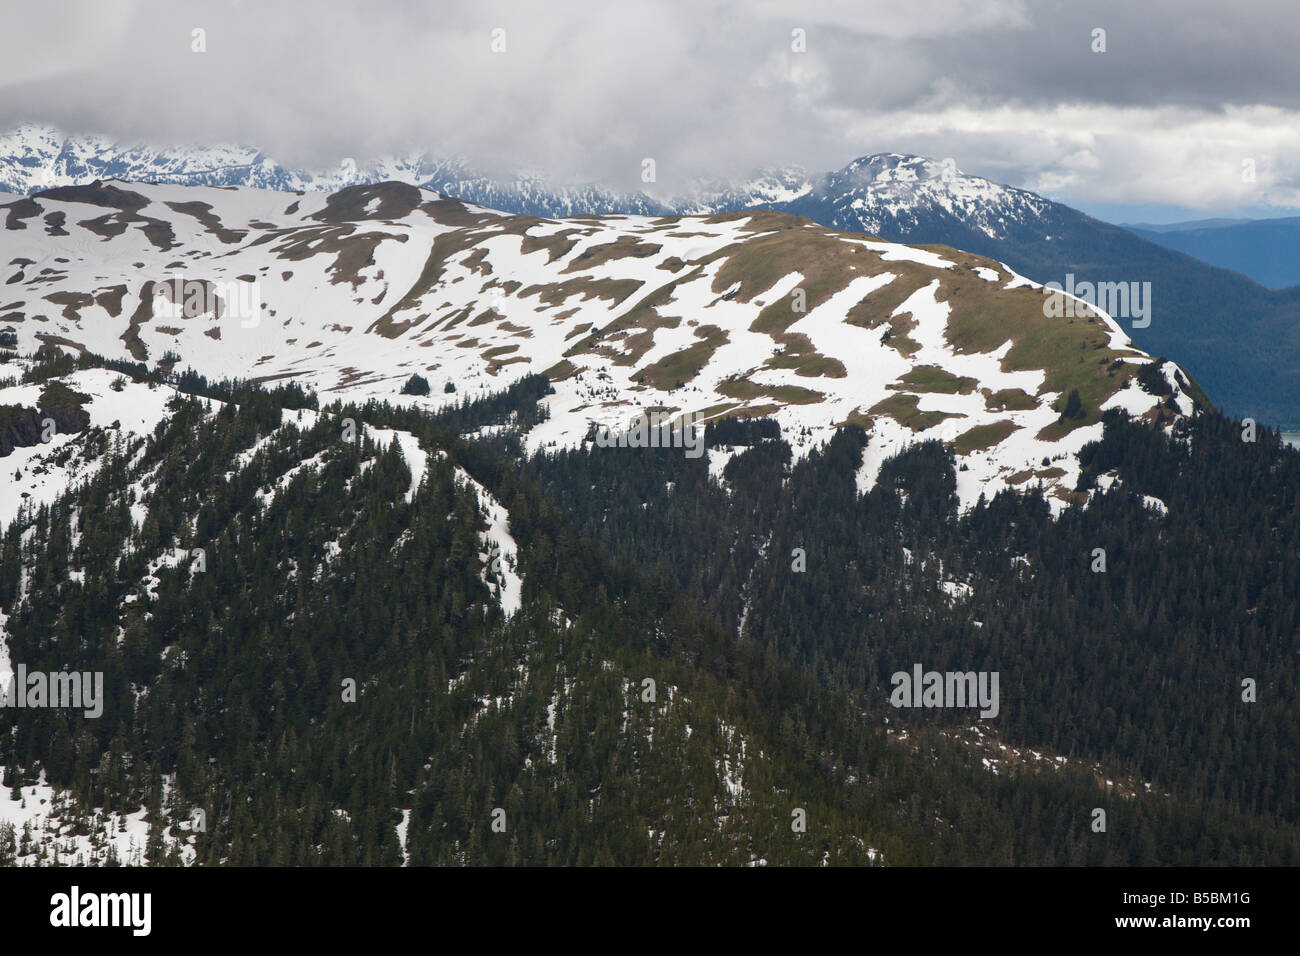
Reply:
x=354, y=298
x=45, y=813
x=501, y=556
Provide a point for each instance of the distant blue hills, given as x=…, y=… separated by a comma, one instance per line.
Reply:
x=1266, y=250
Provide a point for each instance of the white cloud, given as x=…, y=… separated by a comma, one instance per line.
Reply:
x=1106, y=154
x=709, y=88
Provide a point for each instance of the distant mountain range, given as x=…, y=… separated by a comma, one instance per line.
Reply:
x=1241, y=341
x=33, y=158
x=1183, y=226
x=1266, y=250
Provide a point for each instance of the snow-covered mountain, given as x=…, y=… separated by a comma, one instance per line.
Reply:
x=878, y=194
x=893, y=193
x=887, y=194
x=771, y=189
x=750, y=313
x=41, y=157
x=1235, y=337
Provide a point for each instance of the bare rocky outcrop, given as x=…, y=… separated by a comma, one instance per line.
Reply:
x=23, y=427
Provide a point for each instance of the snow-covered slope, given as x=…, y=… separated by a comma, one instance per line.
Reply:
x=746, y=313
x=1220, y=326
x=36, y=475
x=895, y=194
x=44, y=825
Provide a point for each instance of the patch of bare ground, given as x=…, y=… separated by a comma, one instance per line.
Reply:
x=72, y=302
x=557, y=245
x=902, y=408
x=582, y=289
x=209, y=220
x=352, y=252
x=677, y=369
x=390, y=200
x=624, y=247
x=20, y=209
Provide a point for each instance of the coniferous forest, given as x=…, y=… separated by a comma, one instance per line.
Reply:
x=306, y=644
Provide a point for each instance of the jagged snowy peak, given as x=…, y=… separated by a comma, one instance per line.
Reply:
x=877, y=194
x=891, y=194
x=769, y=190
x=743, y=314
x=33, y=158
x=39, y=157
x=533, y=196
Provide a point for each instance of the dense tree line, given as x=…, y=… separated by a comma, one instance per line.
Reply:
x=1138, y=668
x=226, y=682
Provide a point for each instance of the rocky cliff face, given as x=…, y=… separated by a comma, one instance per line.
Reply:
x=24, y=427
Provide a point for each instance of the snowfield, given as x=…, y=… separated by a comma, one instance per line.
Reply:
x=739, y=314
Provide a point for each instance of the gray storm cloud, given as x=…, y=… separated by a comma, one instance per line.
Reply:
x=583, y=91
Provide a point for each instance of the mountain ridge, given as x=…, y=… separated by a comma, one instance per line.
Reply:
x=1262, y=249
x=1240, y=340
x=740, y=314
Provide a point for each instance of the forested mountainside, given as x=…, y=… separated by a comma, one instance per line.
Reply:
x=1263, y=249
x=346, y=634
x=1134, y=664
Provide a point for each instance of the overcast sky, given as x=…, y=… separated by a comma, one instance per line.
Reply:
x=1186, y=94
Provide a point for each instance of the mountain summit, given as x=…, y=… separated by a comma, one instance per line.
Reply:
x=744, y=314
x=1240, y=340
